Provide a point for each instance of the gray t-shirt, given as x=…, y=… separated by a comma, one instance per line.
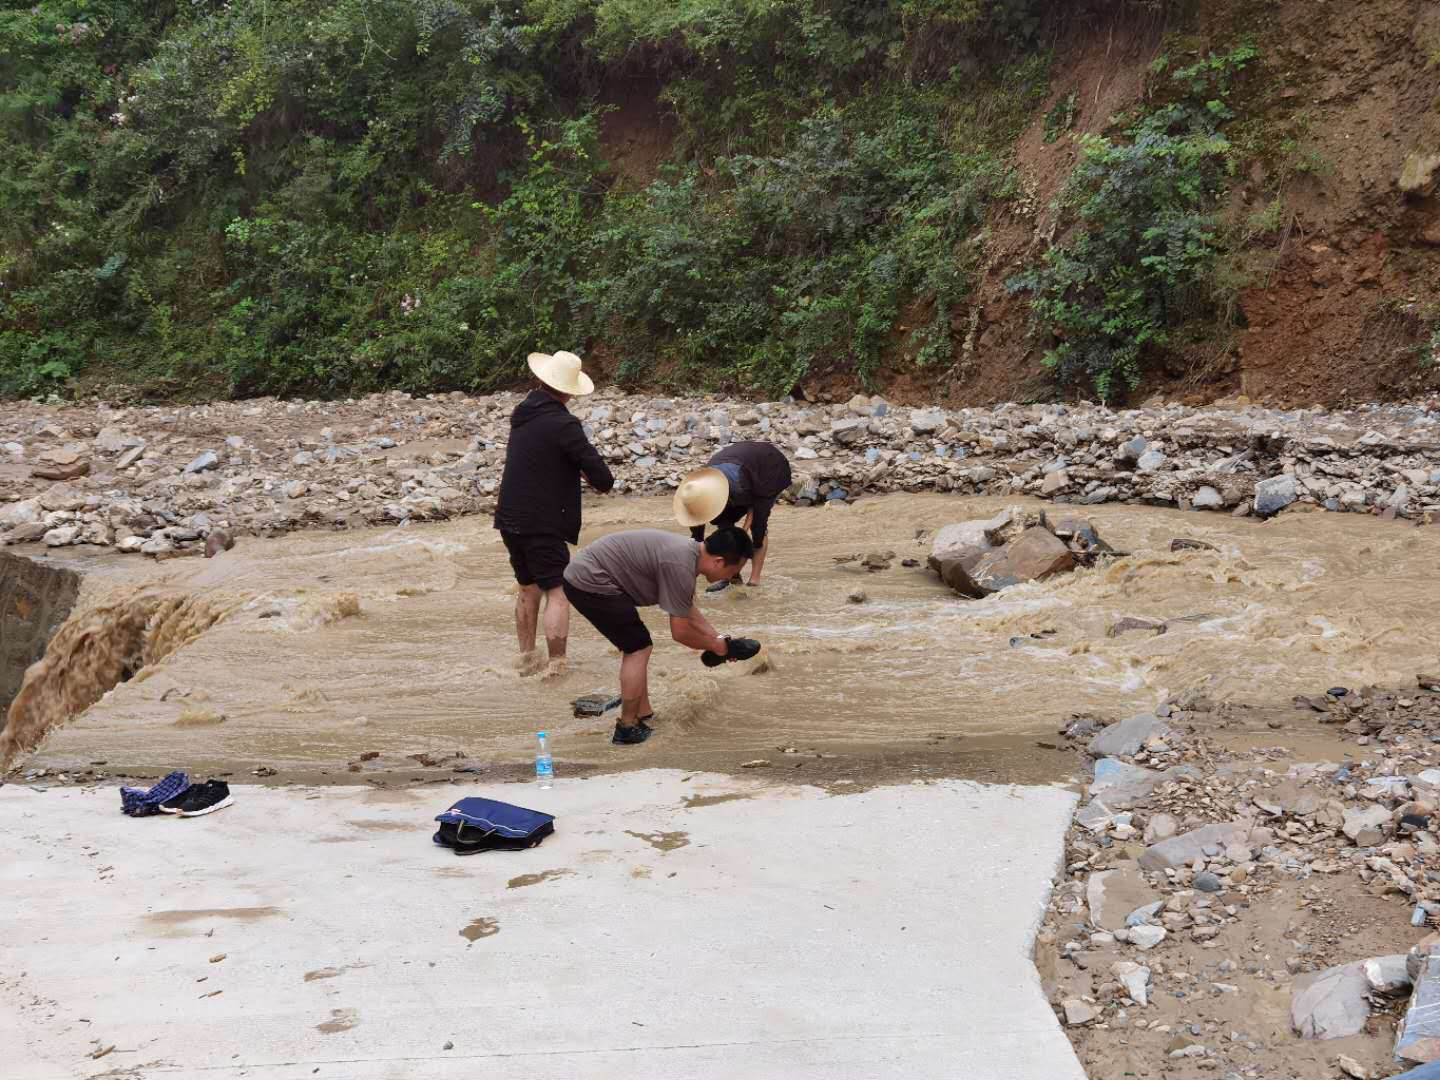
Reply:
x=647, y=565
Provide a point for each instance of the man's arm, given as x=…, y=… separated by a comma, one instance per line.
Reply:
x=695, y=631
x=578, y=447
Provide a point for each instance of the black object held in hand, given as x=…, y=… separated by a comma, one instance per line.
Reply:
x=741, y=648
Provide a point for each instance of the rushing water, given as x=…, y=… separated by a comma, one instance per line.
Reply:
x=400, y=640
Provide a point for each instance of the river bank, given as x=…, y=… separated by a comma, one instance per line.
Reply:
x=160, y=479
x=1243, y=882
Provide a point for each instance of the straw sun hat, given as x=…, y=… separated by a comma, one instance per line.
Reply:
x=561, y=372
x=701, y=496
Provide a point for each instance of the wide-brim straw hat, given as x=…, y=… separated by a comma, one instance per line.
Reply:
x=561, y=372
x=701, y=496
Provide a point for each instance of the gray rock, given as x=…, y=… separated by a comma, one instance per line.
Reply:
x=1332, y=1004
x=1150, y=461
x=112, y=440
x=1077, y=1012
x=129, y=457
x=25, y=534
x=1207, y=882
x=1146, y=937
x=1273, y=495
x=966, y=542
x=1207, y=498
x=1128, y=736
x=1112, y=772
x=62, y=536
x=926, y=423
x=1367, y=826
x=207, y=460
x=1144, y=914
x=847, y=432
x=25, y=512
x=1160, y=827
x=1187, y=847
x=1418, y=1040
x=1132, y=450
x=1135, y=978
x=1387, y=974
x=1095, y=816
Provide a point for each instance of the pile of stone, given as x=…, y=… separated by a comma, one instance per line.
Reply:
x=1178, y=840
x=1380, y=715
x=164, y=476
x=979, y=558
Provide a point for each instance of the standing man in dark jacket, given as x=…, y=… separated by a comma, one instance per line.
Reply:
x=539, y=508
x=756, y=474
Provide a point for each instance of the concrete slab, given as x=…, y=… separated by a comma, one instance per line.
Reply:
x=674, y=927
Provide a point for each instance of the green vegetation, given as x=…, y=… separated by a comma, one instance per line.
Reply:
x=1144, y=255
x=330, y=197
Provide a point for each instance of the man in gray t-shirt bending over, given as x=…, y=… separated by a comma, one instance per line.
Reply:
x=608, y=580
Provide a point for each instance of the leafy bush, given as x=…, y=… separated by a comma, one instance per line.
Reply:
x=1145, y=240
x=330, y=196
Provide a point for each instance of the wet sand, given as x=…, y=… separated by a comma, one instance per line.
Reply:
x=400, y=641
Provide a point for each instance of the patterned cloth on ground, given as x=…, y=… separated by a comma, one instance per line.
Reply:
x=137, y=802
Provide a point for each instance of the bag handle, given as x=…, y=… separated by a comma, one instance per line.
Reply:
x=460, y=830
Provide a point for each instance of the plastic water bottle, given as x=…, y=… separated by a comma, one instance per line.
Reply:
x=544, y=764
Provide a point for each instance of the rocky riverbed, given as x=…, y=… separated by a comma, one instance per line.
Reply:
x=1232, y=906
x=161, y=479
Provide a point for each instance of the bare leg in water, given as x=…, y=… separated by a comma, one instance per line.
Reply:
x=527, y=616
x=635, y=687
x=557, y=630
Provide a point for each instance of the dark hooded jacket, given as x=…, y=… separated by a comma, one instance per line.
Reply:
x=765, y=472
x=547, y=453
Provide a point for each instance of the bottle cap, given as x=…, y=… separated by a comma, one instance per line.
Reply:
x=540, y=734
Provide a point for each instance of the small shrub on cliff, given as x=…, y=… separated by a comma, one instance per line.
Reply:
x=1144, y=239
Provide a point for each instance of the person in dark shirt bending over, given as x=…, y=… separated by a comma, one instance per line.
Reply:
x=539, y=509
x=755, y=475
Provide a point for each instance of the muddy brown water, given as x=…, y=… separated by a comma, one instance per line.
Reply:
x=399, y=641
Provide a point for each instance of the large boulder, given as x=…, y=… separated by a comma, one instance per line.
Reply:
x=26, y=512
x=1273, y=495
x=1037, y=554
x=1034, y=555
x=1128, y=736
x=1332, y=1004
x=968, y=540
x=1418, y=1040
x=1202, y=843
x=1367, y=827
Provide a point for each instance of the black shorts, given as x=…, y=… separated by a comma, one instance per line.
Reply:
x=537, y=560
x=616, y=617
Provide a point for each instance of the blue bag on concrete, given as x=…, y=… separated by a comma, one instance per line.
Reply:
x=474, y=824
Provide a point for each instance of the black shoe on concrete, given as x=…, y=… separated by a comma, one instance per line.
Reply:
x=205, y=798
